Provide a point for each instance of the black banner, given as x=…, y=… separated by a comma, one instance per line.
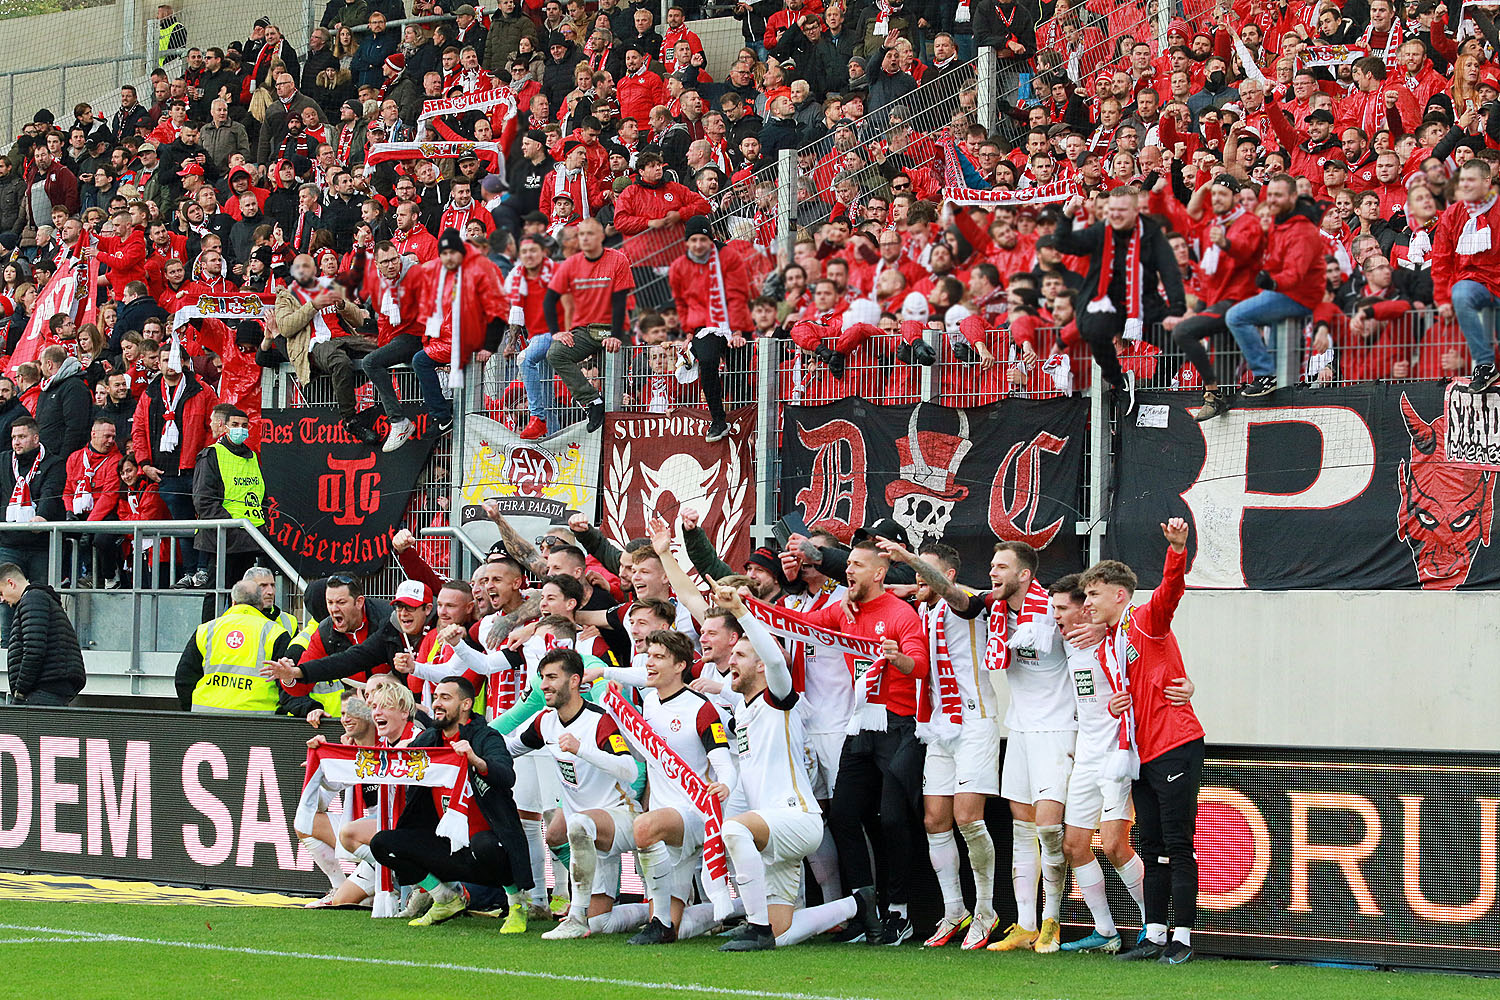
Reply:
x=966, y=477
x=332, y=502
x=159, y=796
x=1384, y=857
x=1376, y=486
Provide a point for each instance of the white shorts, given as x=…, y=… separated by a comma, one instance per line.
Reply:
x=1094, y=799
x=795, y=834
x=537, y=787
x=687, y=859
x=971, y=764
x=1037, y=766
x=824, y=751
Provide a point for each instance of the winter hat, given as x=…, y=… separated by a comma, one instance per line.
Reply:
x=395, y=61
x=450, y=240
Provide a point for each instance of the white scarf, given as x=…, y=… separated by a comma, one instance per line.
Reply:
x=435, y=322
x=518, y=286
x=1475, y=236
x=940, y=712
x=883, y=19
x=22, y=508
x=1210, y=260
x=171, y=436
x=718, y=300
x=83, y=495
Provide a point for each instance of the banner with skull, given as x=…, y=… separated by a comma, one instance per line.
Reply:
x=1375, y=486
x=537, y=483
x=966, y=477
x=660, y=464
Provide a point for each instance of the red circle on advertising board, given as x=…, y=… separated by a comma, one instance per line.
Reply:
x=1225, y=846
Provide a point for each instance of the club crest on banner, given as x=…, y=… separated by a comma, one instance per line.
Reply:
x=535, y=483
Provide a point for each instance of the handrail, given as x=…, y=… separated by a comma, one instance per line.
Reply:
x=168, y=528
x=463, y=539
x=358, y=29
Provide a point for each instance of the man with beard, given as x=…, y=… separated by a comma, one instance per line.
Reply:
x=496, y=854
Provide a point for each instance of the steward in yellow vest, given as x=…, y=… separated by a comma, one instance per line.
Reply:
x=219, y=671
x=227, y=483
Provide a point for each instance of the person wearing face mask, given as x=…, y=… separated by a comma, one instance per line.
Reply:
x=227, y=482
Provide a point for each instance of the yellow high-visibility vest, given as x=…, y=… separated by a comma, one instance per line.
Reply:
x=235, y=646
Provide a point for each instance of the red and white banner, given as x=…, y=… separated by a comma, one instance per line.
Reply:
x=332, y=767
x=385, y=152
x=480, y=101
x=1313, y=56
x=1044, y=194
x=659, y=464
x=228, y=307
x=644, y=741
x=67, y=291
x=853, y=648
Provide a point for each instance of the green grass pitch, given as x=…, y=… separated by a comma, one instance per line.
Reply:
x=194, y=952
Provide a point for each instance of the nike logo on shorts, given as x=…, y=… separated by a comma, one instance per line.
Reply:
x=1174, y=777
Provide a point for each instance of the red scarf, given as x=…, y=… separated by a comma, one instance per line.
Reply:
x=997, y=653
x=20, y=497
x=1101, y=303
x=346, y=141
x=942, y=683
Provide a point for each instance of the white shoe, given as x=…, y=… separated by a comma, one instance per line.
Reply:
x=568, y=930
x=314, y=904
x=401, y=432
x=418, y=903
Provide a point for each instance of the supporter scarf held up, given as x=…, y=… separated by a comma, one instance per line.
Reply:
x=1475, y=236
x=1035, y=628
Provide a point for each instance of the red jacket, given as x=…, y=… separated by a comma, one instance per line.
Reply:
x=692, y=287
x=639, y=204
x=418, y=242
x=98, y=476
x=638, y=93
x=1449, y=266
x=1294, y=244
x=125, y=257
x=1233, y=279
x=1159, y=725
x=481, y=301
x=192, y=426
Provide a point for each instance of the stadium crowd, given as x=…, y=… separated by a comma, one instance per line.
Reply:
x=583, y=184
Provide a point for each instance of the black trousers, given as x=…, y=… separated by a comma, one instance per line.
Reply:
x=340, y=359
x=1206, y=325
x=1166, y=817
x=735, y=378
x=413, y=854
x=377, y=367
x=879, y=793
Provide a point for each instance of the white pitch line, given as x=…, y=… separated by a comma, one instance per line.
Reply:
x=75, y=936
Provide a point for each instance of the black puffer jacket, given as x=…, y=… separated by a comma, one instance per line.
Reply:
x=43, y=649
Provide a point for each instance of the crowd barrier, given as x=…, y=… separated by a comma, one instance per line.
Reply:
x=1379, y=857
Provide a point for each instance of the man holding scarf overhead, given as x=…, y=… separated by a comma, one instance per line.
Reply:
x=1130, y=263
x=711, y=286
x=462, y=312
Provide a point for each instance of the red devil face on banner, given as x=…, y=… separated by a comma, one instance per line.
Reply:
x=1446, y=509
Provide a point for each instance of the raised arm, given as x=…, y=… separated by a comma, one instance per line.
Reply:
x=522, y=550
x=778, y=675
x=688, y=594
x=959, y=599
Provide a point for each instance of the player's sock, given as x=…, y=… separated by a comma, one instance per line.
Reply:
x=1025, y=866
x=442, y=892
x=536, y=844
x=1183, y=934
x=1054, y=870
x=824, y=863
x=1156, y=933
x=327, y=861
x=364, y=854
x=365, y=877
x=698, y=919
x=942, y=848
x=1090, y=879
x=749, y=871
x=656, y=861
x=1133, y=874
x=815, y=920
x=430, y=883
x=581, y=833
x=898, y=909
x=624, y=917
x=982, y=859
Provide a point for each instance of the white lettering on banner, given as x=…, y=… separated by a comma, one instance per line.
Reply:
x=1220, y=496
x=1473, y=432
x=20, y=762
x=118, y=805
x=260, y=783
x=207, y=803
x=56, y=793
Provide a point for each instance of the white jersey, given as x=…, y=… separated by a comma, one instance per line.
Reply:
x=596, y=776
x=1041, y=688
x=689, y=724
x=1098, y=731
x=827, y=687
x=966, y=639
x=771, y=743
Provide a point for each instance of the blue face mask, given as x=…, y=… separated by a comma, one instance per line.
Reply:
x=238, y=435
